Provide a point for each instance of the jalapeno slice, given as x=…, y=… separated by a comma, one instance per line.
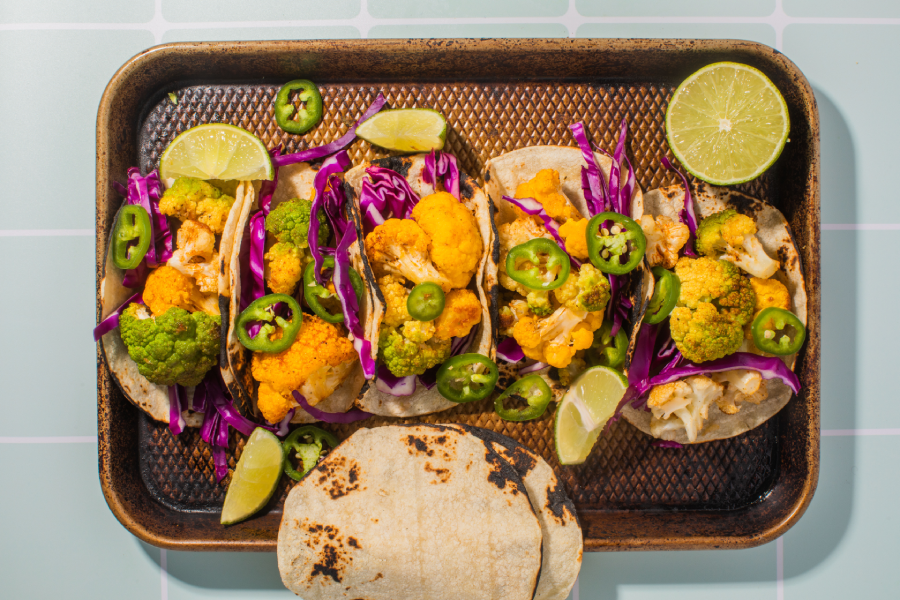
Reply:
x=425, y=302
x=531, y=389
x=607, y=350
x=538, y=264
x=307, y=452
x=131, y=236
x=467, y=378
x=317, y=295
x=310, y=112
x=615, y=243
x=665, y=296
x=265, y=311
x=778, y=331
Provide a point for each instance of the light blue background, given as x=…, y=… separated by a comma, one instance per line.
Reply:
x=59, y=538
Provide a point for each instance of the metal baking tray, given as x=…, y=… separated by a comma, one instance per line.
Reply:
x=497, y=95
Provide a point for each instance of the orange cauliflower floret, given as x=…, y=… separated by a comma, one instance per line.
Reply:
x=196, y=255
x=545, y=189
x=167, y=287
x=395, y=297
x=665, y=238
x=573, y=232
x=401, y=247
x=284, y=267
x=197, y=200
x=456, y=245
x=315, y=365
x=769, y=292
x=556, y=339
x=514, y=234
x=462, y=311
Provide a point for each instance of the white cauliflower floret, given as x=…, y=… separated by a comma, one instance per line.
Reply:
x=196, y=256
x=324, y=380
x=687, y=401
x=728, y=235
x=401, y=247
x=741, y=385
x=665, y=238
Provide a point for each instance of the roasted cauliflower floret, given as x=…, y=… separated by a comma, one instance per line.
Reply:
x=556, y=339
x=462, y=311
x=728, y=235
x=585, y=289
x=418, y=331
x=315, y=365
x=176, y=347
x=665, y=238
x=395, y=297
x=403, y=356
x=401, y=247
x=284, y=264
x=574, y=234
x=741, y=385
x=456, y=245
x=196, y=200
x=167, y=287
x=545, y=188
x=510, y=314
x=196, y=255
x=682, y=405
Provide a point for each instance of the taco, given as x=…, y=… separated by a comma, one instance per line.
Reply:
x=273, y=259
x=718, y=383
x=562, y=322
x=425, y=226
x=162, y=326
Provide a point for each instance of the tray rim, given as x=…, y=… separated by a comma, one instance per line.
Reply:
x=133, y=512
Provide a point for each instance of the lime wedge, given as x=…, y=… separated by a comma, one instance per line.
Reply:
x=405, y=129
x=588, y=404
x=216, y=151
x=727, y=123
x=255, y=477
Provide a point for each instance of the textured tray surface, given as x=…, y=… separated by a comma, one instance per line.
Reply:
x=625, y=472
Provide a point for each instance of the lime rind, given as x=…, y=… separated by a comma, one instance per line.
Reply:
x=702, y=106
x=583, y=412
x=405, y=129
x=252, y=485
x=217, y=151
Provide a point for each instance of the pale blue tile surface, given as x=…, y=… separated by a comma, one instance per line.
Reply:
x=59, y=538
x=518, y=30
x=49, y=183
x=680, y=8
x=270, y=10
x=259, y=33
x=66, y=11
x=49, y=365
x=250, y=576
x=857, y=9
x=756, y=32
x=847, y=544
x=431, y=9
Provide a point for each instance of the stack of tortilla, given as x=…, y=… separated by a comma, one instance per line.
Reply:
x=430, y=511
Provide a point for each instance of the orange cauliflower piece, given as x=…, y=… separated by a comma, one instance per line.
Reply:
x=462, y=311
x=401, y=247
x=167, y=287
x=456, y=244
x=315, y=365
x=769, y=292
x=545, y=188
x=574, y=233
x=395, y=297
x=284, y=265
x=556, y=339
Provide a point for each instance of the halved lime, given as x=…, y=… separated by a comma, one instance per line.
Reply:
x=255, y=477
x=405, y=129
x=588, y=404
x=727, y=123
x=216, y=151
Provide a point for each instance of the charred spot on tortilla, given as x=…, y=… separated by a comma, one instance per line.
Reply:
x=352, y=541
x=559, y=504
x=419, y=444
x=353, y=474
x=501, y=472
x=398, y=164
x=465, y=186
x=330, y=564
x=487, y=176
x=442, y=474
x=515, y=455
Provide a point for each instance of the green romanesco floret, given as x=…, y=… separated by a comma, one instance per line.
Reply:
x=402, y=356
x=539, y=303
x=289, y=223
x=197, y=200
x=731, y=236
x=716, y=302
x=176, y=347
x=587, y=289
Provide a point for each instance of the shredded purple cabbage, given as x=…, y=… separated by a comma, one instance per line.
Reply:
x=347, y=295
x=335, y=200
x=535, y=366
x=333, y=165
x=667, y=444
x=384, y=194
x=442, y=166
x=687, y=213
x=389, y=383
x=339, y=144
x=591, y=176
x=146, y=192
x=220, y=460
x=768, y=368
x=535, y=208
x=253, y=245
x=620, y=204
x=112, y=321
x=283, y=426
x=642, y=356
x=176, y=419
x=327, y=417
x=510, y=350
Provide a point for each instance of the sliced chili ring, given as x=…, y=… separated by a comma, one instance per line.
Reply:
x=131, y=236
x=307, y=116
x=263, y=312
x=609, y=245
x=467, y=378
x=607, y=350
x=778, y=331
x=543, y=256
x=531, y=389
x=665, y=296
x=425, y=302
x=307, y=453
